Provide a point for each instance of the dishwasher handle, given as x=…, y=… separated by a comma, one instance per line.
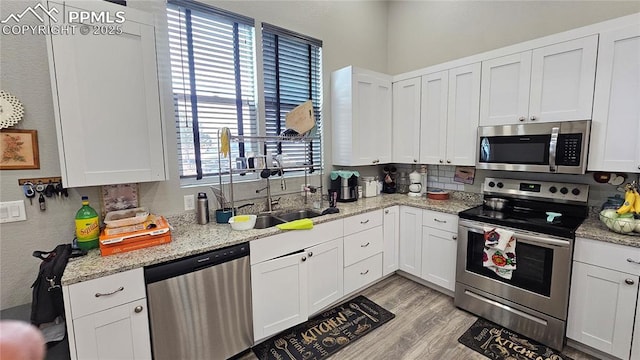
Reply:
x=167, y=270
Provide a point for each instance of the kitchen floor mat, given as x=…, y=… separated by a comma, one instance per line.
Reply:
x=326, y=333
x=498, y=343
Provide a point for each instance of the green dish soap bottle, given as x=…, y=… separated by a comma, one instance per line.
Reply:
x=87, y=226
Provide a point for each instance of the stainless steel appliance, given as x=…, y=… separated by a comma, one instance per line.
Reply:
x=347, y=188
x=200, y=307
x=560, y=148
x=534, y=301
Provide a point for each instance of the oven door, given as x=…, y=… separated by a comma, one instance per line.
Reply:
x=541, y=279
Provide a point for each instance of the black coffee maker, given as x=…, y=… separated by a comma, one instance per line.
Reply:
x=389, y=179
x=345, y=185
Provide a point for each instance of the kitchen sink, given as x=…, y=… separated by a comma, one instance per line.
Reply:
x=264, y=221
x=298, y=214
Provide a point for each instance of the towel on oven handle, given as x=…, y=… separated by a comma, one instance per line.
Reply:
x=499, y=251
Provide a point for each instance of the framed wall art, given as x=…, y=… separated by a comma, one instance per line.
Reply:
x=19, y=149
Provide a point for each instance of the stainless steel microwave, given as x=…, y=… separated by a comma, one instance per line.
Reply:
x=558, y=148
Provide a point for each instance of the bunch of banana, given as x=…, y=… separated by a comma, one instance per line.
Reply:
x=631, y=202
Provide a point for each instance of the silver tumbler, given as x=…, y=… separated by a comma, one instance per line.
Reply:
x=202, y=209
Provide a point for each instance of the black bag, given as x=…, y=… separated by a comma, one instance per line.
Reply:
x=47, y=302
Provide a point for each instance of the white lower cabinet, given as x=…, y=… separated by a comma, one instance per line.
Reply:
x=287, y=289
x=391, y=239
x=439, y=257
x=362, y=273
x=107, y=317
x=604, y=293
x=325, y=274
x=121, y=332
x=363, y=250
x=410, y=240
x=439, y=247
x=428, y=245
x=279, y=294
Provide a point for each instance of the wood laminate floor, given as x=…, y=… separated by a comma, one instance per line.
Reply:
x=427, y=326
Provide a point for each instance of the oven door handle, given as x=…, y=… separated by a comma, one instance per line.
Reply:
x=553, y=148
x=531, y=239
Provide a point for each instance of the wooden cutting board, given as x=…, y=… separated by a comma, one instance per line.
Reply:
x=301, y=118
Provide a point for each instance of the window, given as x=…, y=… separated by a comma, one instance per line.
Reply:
x=292, y=75
x=213, y=77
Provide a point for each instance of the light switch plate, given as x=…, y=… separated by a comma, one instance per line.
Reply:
x=12, y=211
x=189, y=202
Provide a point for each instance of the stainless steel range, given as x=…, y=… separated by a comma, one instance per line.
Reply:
x=543, y=218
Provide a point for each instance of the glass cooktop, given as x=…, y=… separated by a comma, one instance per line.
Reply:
x=530, y=219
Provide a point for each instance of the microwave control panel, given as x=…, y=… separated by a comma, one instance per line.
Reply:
x=569, y=150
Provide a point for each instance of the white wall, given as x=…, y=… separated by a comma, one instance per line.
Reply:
x=424, y=33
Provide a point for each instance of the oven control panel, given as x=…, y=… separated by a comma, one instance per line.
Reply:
x=554, y=191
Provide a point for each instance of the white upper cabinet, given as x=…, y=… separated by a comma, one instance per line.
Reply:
x=406, y=121
x=361, y=117
x=449, y=116
x=462, y=115
x=615, y=128
x=505, y=89
x=433, y=118
x=106, y=101
x=552, y=83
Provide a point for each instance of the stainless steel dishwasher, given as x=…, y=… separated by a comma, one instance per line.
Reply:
x=200, y=307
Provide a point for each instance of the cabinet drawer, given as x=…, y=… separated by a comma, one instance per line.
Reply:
x=106, y=292
x=361, y=222
x=362, y=245
x=362, y=273
x=608, y=255
x=438, y=220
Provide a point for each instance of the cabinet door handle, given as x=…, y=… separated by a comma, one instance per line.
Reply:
x=455, y=237
x=386, y=211
x=111, y=293
x=365, y=245
x=310, y=253
x=629, y=281
x=440, y=221
x=533, y=118
x=304, y=258
x=522, y=118
x=365, y=273
x=441, y=161
x=448, y=161
x=415, y=160
x=138, y=309
x=633, y=261
x=364, y=222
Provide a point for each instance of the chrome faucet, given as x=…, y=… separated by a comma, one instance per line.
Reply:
x=283, y=184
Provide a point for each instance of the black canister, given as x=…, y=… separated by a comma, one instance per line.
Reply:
x=202, y=209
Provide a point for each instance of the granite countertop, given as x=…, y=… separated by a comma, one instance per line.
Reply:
x=190, y=238
x=593, y=228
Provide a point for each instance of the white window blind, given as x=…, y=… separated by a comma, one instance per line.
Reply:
x=292, y=75
x=213, y=77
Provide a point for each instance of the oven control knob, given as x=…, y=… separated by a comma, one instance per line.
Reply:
x=564, y=191
x=500, y=185
x=492, y=184
x=553, y=189
x=575, y=191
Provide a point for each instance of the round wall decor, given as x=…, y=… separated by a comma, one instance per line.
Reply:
x=11, y=110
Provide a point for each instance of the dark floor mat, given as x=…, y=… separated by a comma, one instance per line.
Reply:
x=498, y=343
x=326, y=333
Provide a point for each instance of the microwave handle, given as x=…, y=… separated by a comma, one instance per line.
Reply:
x=553, y=146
